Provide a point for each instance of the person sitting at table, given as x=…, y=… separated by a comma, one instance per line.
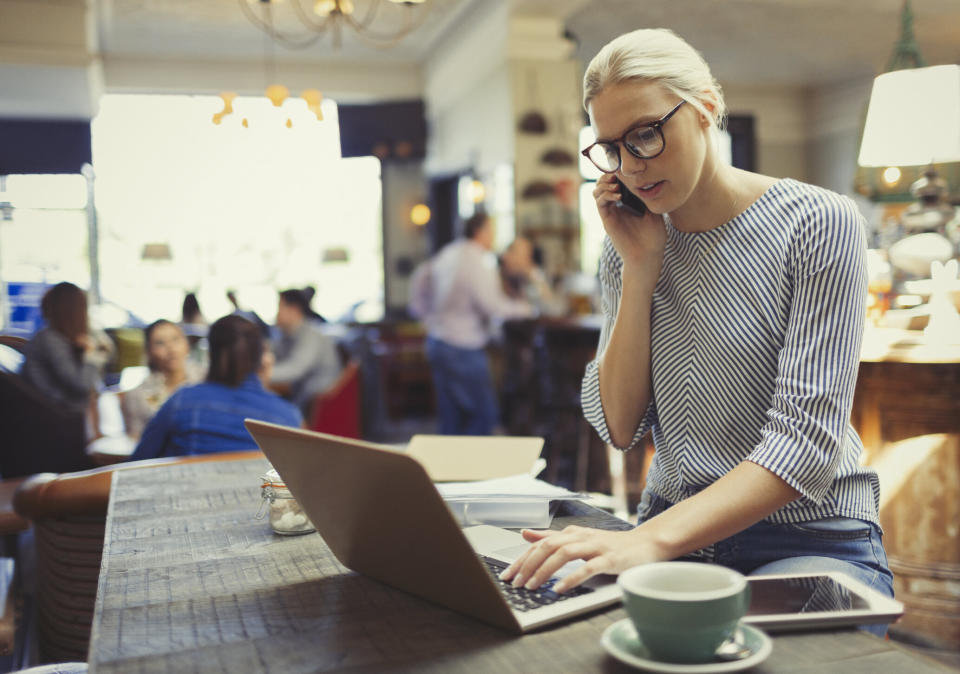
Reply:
x=208, y=417
x=63, y=360
x=522, y=275
x=307, y=362
x=734, y=315
x=168, y=354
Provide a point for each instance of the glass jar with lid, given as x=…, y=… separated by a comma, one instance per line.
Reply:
x=286, y=516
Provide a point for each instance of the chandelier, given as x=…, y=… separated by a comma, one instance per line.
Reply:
x=316, y=19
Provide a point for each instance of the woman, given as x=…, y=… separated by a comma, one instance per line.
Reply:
x=63, y=361
x=170, y=368
x=208, y=417
x=735, y=311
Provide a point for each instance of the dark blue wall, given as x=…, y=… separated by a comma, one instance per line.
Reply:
x=43, y=146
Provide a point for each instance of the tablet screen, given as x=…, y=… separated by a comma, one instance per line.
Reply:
x=811, y=594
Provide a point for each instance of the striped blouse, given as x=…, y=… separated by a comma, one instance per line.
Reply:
x=756, y=329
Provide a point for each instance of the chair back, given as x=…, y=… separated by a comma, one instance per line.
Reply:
x=337, y=410
x=12, y=353
x=14, y=342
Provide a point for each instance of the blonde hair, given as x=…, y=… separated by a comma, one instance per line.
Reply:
x=656, y=55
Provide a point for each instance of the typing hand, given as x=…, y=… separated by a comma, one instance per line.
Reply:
x=604, y=552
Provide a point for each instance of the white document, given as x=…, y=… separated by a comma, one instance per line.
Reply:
x=518, y=501
x=452, y=458
x=515, y=487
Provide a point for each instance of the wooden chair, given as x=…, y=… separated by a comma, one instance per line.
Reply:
x=576, y=456
x=69, y=512
x=14, y=342
x=337, y=410
x=11, y=525
x=12, y=350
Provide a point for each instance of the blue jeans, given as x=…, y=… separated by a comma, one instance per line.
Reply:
x=842, y=544
x=466, y=402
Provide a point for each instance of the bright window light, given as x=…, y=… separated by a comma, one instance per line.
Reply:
x=252, y=209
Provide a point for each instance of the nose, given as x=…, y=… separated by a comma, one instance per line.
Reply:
x=630, y=165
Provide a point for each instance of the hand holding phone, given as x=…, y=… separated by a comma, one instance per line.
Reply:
x=630, y=202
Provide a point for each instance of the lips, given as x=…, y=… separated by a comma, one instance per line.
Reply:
x=650, y=190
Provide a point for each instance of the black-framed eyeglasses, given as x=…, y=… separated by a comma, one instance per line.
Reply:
x=645, y=141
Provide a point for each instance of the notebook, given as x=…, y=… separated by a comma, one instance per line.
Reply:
x=382, y=516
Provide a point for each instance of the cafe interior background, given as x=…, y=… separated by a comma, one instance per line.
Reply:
x=150, y=148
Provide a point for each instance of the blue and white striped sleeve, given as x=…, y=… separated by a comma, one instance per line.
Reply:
x=610, y=289
x=802, y=440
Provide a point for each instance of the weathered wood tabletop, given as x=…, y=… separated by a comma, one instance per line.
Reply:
x=192, y=582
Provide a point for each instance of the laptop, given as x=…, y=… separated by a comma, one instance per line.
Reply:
x=381, y=516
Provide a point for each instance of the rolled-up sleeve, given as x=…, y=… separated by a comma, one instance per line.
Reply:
x=610, y=289
x=801, y=441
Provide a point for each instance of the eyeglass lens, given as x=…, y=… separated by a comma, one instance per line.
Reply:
x=643, y=142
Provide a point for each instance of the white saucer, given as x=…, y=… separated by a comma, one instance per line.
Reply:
x=621, y=641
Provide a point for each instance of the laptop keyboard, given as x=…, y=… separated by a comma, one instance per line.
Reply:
x=522, y=599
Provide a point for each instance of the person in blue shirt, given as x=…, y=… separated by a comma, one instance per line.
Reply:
x=208, y=417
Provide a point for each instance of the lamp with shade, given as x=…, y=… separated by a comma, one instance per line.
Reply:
x=913, y=119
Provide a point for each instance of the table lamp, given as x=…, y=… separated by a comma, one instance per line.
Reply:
x=914, y=119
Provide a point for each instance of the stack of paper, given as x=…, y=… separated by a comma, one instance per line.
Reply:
x=516, y=501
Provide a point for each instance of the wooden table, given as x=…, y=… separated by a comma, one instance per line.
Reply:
x=907, y=387
x=191, y=582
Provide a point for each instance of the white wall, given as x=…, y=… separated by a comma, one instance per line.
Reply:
x=810, y=134
x=344, y=83
x=49, y=66
x=780, y=125
x=468, y=96
x=835, y=116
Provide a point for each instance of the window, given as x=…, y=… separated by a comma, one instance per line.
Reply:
x=186, y=205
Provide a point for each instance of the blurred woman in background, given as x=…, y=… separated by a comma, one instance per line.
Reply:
x=208, y=417
x=170, y=368
x=63, y=361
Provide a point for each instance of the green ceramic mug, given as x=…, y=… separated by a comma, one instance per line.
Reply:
x=683, y=611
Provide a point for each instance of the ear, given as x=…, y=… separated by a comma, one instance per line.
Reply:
x=710, y=104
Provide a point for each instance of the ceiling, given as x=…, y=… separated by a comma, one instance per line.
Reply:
x=761, y=42
x=218, y=30
x=781, y=42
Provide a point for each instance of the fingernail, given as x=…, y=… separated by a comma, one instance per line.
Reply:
x=503, y=574
x=518, y=581
x=559, y=588
x=531, y=585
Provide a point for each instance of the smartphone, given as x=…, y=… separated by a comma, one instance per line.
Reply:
x=630, y=202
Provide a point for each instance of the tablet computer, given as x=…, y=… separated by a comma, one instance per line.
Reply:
x=788, y=602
